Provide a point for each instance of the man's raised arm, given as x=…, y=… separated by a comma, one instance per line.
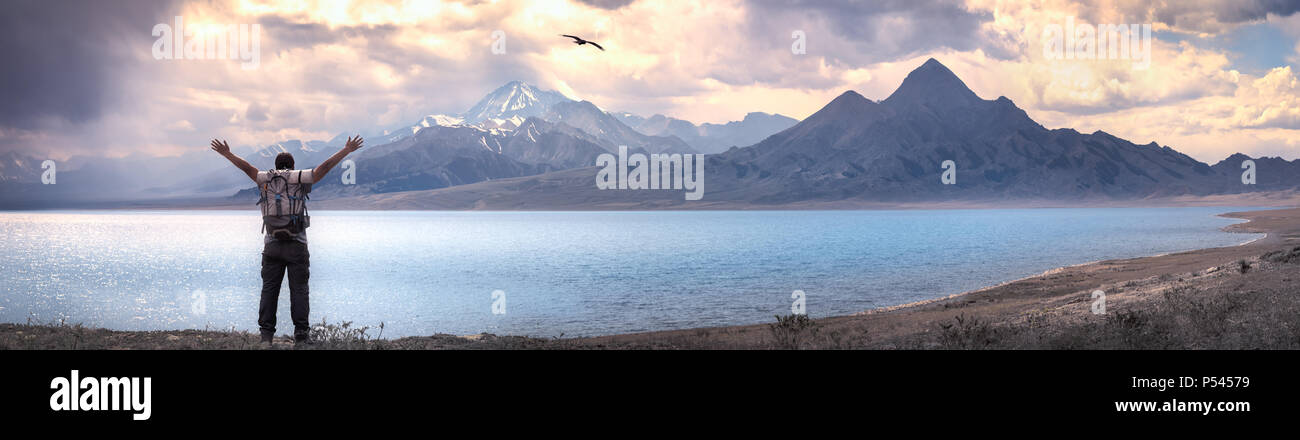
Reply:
x=222, y=148
x=324, y=168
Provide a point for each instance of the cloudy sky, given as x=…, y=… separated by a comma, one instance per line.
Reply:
x=80, y=77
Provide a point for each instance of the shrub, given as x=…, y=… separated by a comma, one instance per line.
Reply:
x=965, y=333
x=791, y=331
x=1292, y=256
x=342, y=336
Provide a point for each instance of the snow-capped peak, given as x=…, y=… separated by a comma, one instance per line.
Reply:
x=441, y=120
x=515, y=98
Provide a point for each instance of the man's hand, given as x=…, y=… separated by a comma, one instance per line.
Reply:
x=354, y=144
x=221, y=147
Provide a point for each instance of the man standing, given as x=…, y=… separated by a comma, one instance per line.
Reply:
x=285, y=222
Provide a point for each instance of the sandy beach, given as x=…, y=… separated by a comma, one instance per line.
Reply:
x=1232, y=297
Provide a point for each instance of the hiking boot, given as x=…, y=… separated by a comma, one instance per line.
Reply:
x=267, y=337
x=302, y=338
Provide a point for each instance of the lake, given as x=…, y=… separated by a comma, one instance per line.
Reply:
x=561, y=273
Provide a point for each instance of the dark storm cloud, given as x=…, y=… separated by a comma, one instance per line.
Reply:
x=60, y=56
x=876, y=31
x=1231, y=11
x=607, y=4
x=1199, y=16
x=849, y=35
x=290, y=34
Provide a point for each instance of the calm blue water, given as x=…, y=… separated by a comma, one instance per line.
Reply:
x=571, y=273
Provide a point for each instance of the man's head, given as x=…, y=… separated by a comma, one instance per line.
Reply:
x=284, y=161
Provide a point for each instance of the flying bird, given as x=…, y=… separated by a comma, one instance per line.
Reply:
x=580, y=41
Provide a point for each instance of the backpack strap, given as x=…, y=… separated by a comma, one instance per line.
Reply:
x=304, y=189
x=261, y=191
x=298, y=193
x=302, y=197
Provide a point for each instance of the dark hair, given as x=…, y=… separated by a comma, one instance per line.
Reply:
x=284, y=161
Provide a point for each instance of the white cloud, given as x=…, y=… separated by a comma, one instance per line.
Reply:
x=181, y=125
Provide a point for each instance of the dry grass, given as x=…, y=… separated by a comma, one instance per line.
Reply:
x=326, y=336
x=1251, y=309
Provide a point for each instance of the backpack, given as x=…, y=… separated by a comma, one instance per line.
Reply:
x=284, y=205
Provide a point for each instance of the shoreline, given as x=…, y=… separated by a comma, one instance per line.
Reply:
x=905, y=324
x=1263, y=199
x=1060, y=269
x=1056, y=293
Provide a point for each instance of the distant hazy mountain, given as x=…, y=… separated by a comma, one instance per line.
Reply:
x=1271, y=173
x=17, y=168
x=707, y=137
x=587, y=117
x=304, y=153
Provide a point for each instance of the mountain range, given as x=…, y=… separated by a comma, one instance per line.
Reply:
x=521, y=147
x=711, y=138
x=859, y=151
